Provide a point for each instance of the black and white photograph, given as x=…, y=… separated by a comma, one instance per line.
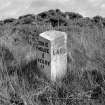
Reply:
x=52, y=52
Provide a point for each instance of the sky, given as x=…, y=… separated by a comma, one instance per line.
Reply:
x=16, y=8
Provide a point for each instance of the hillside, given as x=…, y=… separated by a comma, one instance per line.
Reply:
x=21, y=83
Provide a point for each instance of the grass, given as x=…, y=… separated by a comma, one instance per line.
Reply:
x=25, y=86
x=22, y=83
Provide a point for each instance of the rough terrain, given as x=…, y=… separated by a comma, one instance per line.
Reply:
x=21, y=83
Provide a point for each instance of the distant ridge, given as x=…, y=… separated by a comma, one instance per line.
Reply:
x=54, y=18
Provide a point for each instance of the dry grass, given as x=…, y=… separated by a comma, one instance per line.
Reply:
x=26, y=86
x=21, y=83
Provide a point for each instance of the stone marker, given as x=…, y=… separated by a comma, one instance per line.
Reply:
x=52, y=54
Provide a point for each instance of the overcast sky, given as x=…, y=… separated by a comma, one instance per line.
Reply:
x=15, y=8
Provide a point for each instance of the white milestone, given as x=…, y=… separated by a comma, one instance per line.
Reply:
x=52, y=54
